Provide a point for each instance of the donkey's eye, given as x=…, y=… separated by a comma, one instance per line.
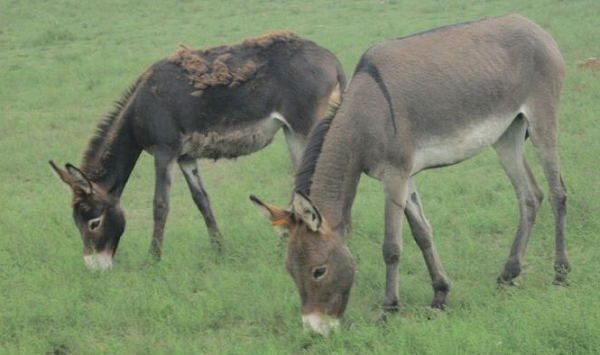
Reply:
x=94, y=223
x=319, y=273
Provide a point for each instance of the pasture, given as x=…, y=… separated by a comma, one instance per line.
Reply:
x=64, y=63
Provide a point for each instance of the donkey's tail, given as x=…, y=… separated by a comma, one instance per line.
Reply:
x=341, y=77
x=338, y=91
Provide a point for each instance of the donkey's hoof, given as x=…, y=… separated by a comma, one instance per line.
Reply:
x=505, y=282
x=154, y=255
x=391, y=308
x=435, y=304
x=512, y=269
x=439, y=297
x=558, y=282
x=562, y=269
x=388, y=310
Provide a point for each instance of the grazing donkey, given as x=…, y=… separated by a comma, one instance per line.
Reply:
x=221, y=102
x=429, y=100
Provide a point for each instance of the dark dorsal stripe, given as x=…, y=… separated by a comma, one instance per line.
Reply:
x=365, y=66
x=311, y=154
x=439, y=28
x=98, y=141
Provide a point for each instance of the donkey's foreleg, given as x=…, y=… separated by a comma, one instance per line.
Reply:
x=395, y=189
x=421, y=231
x=510, y=149
x=189, y=167
x=163, y=165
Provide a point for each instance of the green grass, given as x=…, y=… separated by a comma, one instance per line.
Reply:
x=63, y=63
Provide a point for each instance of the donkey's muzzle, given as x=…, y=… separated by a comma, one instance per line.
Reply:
x=320, y=323
x=99, y=262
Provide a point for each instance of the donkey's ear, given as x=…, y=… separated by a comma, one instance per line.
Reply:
x=79, y=179
x=63, y=175
x=280, y=218
x=305, y=209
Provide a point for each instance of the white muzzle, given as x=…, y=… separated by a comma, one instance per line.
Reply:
x=320, y=323
x=98, y=262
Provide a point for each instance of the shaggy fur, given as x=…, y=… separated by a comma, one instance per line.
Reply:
x=205, y=72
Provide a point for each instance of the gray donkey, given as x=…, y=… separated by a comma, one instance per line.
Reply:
x=429, y=100
x=214, y=103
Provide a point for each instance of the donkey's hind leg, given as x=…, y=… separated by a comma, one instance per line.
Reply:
x=421, y=231
x=189, y=167
x=510, y=149
x=544, y=136
x=296, y=143
x=163, y=165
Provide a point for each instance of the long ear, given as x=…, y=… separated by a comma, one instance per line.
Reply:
x=304, y=208
x=63, y=175
x=280, y=218
x=79, y=179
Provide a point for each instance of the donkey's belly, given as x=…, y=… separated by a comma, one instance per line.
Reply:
x=234, y=141
x=461, y=145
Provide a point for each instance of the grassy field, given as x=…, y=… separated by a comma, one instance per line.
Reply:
x=63, y=63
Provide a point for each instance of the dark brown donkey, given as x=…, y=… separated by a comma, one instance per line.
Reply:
x=429, y=100
x=221, y=102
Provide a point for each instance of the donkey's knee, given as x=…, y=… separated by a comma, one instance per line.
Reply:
x=558, y=199
x=532, y=205
x=391, y=253
x=161, y=210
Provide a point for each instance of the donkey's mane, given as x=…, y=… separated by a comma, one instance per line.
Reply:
x=105, y=132
x=307, y=166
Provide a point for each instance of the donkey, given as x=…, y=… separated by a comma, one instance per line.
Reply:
x=424, y=101
x=221, y=102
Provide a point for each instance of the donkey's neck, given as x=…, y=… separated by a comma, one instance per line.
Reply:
x=112, y=153
x=336, y=175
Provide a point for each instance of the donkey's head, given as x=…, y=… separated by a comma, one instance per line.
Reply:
x=97, y=215
x=317, y=259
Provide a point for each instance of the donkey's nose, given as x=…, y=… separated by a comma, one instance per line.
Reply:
x=320, y=323
x=98, y=262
